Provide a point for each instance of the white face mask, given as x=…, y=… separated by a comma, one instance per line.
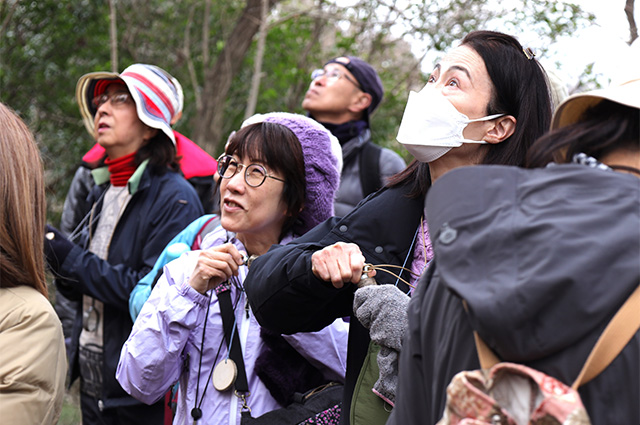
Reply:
x=431, y=125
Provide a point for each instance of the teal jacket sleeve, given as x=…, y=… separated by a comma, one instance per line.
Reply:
x=178, y=245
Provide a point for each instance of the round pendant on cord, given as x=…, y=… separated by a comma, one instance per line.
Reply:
x=196, y=413
x=224, y=375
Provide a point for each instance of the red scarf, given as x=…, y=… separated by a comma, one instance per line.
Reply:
x=121, y=169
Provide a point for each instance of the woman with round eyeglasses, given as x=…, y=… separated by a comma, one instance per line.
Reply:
x=278, y=178
x=139, y=202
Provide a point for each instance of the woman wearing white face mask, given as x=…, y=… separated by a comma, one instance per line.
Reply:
x=543, y=259
x=315, y=278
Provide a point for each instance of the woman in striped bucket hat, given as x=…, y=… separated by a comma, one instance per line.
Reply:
x=140, y=201
x=156, y=98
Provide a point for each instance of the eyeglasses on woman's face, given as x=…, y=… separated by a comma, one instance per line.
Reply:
x=333, y=75
x=119, y=98
x=254, y=174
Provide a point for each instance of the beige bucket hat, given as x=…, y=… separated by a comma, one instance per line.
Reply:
x=572, y=108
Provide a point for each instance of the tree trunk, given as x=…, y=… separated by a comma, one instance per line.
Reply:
x=9, y=13
x=113, y=35
x=257, y=69
x=208, y=128
x=205, y=33
x=633, y=29
x=299, y=87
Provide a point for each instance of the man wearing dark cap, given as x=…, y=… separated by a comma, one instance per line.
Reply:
x=342, y=97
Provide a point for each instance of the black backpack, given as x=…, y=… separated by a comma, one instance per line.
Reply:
x=370, y=168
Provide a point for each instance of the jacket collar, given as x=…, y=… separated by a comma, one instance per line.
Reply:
x=101, y=176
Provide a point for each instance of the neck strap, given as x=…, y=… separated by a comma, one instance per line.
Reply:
x=232, y=338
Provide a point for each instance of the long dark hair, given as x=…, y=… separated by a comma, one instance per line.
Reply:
x=416, y=175
x=161, y=153
x=279, y=149
x=601, y=129
x=520, y=89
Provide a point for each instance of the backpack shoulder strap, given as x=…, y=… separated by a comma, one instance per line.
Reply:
x=370, y=168
x=207, y=227
x=615, y=337
x=622, y=327
x=486, y=356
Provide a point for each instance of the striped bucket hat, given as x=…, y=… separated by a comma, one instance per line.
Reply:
x=157, y=97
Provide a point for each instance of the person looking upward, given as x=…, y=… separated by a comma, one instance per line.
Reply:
x=138, y=203
x=490, y=100
x=342, y=97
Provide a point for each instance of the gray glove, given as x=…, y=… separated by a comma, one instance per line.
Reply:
x=383, y=310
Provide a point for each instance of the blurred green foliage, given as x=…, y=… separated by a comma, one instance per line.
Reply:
x=46, y=45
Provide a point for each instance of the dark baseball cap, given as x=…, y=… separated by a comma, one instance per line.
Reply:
x=367, y=77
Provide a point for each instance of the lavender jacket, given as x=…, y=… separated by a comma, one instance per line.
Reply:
x=164, y=345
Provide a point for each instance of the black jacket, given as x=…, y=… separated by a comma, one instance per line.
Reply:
x=544, y=259
x=286, y=297
x=160, y=208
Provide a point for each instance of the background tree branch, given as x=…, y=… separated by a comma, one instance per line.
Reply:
x=257, y=70
x=633, y=29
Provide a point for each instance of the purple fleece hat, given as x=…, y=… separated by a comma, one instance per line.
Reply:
x=322, y=165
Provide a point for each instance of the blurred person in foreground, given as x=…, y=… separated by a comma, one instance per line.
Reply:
x=543, y=257
x=33, y=363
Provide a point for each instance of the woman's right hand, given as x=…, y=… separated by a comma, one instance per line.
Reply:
x=215, y=265
x=339, y=263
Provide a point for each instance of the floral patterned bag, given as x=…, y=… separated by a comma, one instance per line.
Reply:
x=513, y=394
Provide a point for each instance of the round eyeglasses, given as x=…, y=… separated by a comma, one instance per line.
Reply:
x=115, y=98
x=254, y=174
x=332, y=76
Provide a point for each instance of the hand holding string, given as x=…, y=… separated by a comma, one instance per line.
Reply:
x=339, y=263
x=214, y=266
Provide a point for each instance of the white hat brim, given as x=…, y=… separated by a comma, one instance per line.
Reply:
x=83, y=98
x=574, y=106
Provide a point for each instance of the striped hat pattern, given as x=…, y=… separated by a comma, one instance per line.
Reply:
x=157, y=97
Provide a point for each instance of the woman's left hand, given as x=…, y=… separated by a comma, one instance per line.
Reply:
x=56, y=248
x=339, y=263
x=215, y=265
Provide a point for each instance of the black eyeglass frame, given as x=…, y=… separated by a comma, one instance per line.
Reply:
x=227, y=160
